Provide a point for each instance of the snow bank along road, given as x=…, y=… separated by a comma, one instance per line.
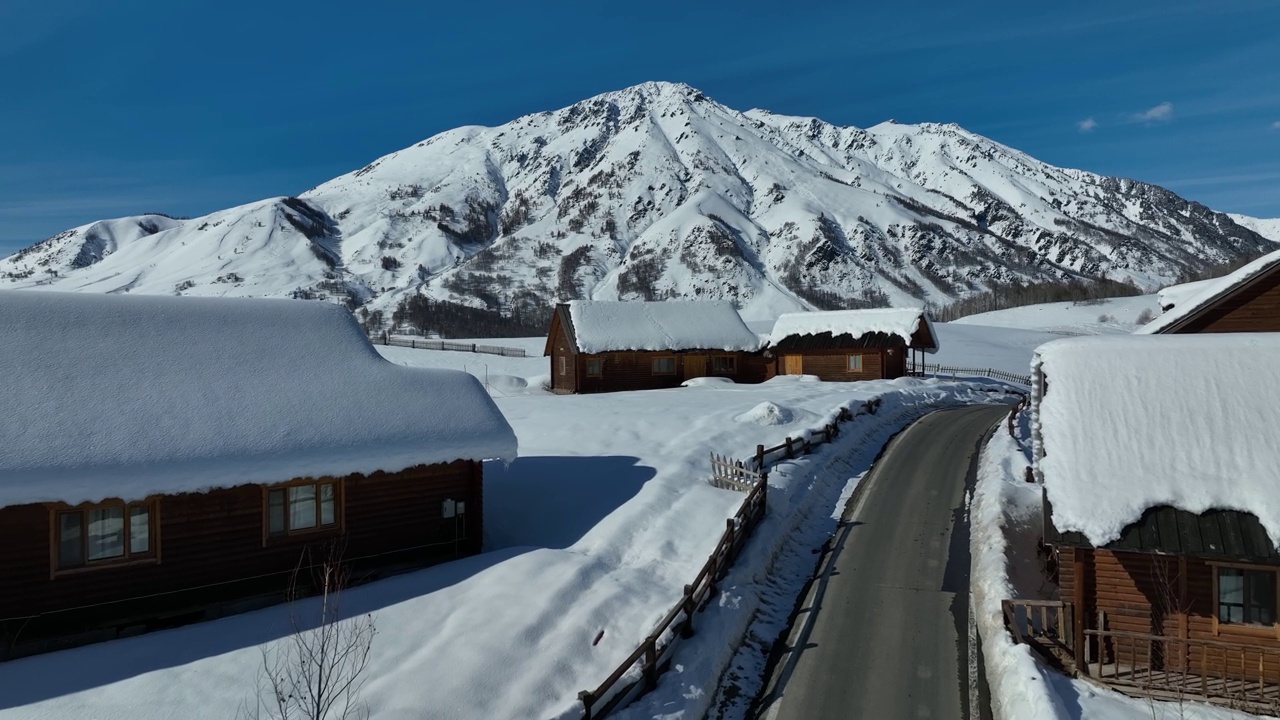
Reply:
x=883, y=632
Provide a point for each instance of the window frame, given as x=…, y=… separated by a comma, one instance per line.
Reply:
x=1246, y=628
x=564, y=366
x=127, y=557
x=599, y=371
x=850, y=364
x=339, y=510
x=730, y=361
x=654, y=365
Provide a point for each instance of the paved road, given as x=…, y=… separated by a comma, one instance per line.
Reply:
x=884, y=630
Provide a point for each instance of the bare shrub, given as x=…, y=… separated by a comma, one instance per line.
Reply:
x=318, y=671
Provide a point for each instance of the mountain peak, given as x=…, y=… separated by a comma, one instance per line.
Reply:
x=655, y=191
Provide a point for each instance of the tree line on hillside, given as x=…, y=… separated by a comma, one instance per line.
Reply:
x=1011, y=295
x=453, y=320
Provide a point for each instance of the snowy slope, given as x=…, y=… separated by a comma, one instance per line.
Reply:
x=1100, y=317
x=1269, y=229
x=657, y=191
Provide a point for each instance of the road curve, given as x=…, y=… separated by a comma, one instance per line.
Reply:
x=883, y=631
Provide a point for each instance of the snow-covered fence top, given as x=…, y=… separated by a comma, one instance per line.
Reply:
x=1129, y=423
x=902, y=322
x=122, y=396
x=611, y=326
x=1191, y=298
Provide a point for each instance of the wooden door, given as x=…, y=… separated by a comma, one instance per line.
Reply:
x=695, y=366
x=793, y=364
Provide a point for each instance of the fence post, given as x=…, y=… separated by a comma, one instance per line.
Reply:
x=760, y=457
x=687, y=630
x=413, y=344
x=808, y=447
x=650, y=662
x=585, y=697
x=790, y=452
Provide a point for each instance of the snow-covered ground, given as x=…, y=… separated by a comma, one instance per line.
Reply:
x=594, y=529
x=1005, y=524
x=1102, y=317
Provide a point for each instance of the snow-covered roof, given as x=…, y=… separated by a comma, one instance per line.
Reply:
x=116, y=396
x=1210, y=291
x=1129, y=423
x=612, y=326
x=903, y=322
x=1176, y=295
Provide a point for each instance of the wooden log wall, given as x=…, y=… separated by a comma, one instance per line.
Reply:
x=214, y=554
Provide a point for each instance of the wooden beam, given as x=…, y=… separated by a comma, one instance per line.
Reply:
x=1079, y=570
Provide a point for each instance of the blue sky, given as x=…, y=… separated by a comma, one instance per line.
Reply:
x=120, y=108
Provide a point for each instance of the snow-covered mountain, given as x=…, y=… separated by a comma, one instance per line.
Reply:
x=657, y=191
x=1269, y=229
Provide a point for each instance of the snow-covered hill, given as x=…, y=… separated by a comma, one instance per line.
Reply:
x=657, y=191
x=1269, y=229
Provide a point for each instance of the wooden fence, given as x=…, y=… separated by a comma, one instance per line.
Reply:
x=969, y=372
x=791, y=447
x=652, y=657
x=424, y=344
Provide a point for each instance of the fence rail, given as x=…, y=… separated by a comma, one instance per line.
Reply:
x=424, y=344
x=954, y=371
x=653, y=655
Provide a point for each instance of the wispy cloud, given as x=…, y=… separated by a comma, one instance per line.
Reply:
x=1087, y=125
x=1275, y=125
x=1159, y=113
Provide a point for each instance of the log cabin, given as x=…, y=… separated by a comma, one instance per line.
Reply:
x=1158, y=466
x=169, y=460
x=1247, y=300
x=846, y=345
x=606, y=346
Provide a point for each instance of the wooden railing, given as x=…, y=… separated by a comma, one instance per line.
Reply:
x=1046, y=625
x=653, y=655
x=1234, y=674
x=1238, y=675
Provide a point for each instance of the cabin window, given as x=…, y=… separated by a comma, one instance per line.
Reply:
x=104, y=534
x=724, y=364
x=1246, y=596
x=855, y=363
x=302, y=508
x=563, y=365
x=664, y=366
x=594, y=366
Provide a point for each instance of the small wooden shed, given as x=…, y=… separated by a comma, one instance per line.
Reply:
x=607, y=346
x=168, y=460
x=1161, y=507
x=845, y=345
x=1247, y=300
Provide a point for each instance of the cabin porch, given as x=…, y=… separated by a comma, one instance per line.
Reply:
x=1231, y=674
